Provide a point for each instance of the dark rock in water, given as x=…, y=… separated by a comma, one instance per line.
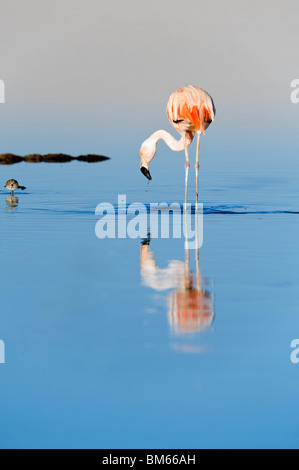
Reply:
x=90, y=158
x=57, y=158
x=9, y=159
x=33, y=158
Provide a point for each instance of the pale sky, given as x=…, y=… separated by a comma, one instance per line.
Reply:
x=108, y=60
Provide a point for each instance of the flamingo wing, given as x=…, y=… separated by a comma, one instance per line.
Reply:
x=192, y=104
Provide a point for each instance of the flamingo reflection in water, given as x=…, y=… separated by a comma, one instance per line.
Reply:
x=190, y=306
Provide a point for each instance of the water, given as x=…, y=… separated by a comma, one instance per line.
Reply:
x=95, y=356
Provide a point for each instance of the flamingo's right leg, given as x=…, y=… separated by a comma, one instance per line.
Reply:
x=187, y=164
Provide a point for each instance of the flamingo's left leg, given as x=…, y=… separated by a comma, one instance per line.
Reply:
x=197, y=166
x=187, y=164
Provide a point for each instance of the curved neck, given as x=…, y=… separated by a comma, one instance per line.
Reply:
x=173, y=144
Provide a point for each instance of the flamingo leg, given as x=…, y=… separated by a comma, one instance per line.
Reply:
x=187, y=164
x=197, y=167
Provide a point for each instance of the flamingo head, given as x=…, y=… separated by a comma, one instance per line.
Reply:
x=146, y=172
x=147, y=153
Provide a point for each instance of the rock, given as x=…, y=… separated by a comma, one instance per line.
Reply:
x=10, y=158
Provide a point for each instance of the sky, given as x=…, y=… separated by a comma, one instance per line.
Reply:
x=84, y=67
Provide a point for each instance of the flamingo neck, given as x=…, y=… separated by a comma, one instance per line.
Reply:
x=173, y=144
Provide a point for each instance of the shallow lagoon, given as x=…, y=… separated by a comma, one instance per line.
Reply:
x=92, y=359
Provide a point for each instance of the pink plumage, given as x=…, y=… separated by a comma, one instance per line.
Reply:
x=190, y=109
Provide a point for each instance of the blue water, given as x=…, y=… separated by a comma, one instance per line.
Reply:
x=93, y=357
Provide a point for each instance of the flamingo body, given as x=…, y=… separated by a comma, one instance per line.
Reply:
x=190, y=109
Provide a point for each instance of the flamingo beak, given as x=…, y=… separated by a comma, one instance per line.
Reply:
x=146, y=172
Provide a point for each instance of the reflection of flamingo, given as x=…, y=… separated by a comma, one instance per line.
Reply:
x=190, y=307
x=190, y=110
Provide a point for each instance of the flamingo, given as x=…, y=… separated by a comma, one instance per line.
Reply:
x=190, y=111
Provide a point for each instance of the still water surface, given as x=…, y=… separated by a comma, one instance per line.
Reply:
x=104, y=345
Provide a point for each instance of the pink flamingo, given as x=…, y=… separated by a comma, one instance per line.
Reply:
x=190, y=110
